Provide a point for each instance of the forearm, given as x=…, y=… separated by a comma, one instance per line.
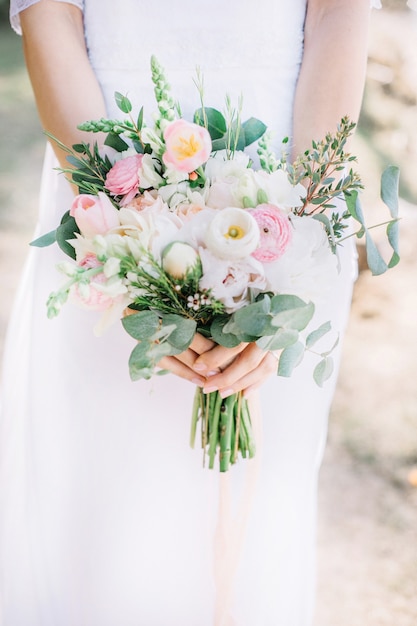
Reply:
x=332, y=73
x=65, y=87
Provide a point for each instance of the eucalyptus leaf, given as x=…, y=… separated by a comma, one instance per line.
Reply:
x=228, y=340
x=374, y=259
x=141, y=325
x=184, y=330
x=317, y=334
x=389, y=188
x=296, y=318
x=282, y=339
x=252, y=318
x=290, y=358
x=323, y=370
x=140, y=365
x=354, y=206
x=393, y=234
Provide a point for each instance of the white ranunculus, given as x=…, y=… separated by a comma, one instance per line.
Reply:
x=231, y=280
x=308, y=268
x=219, y=166
x=178, y=258
x=279, y=190
x=232, y=234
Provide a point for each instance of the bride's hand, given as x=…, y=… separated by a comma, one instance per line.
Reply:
x=182, y=365
x=229, y=370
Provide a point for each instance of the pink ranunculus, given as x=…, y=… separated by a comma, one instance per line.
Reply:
x=94, y=215
x=276, y=232
x=188, y=146
x=123, y=178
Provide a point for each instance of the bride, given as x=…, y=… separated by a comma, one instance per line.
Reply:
x=107, y=517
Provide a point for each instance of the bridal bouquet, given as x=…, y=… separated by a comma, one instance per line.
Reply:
x=181, y=230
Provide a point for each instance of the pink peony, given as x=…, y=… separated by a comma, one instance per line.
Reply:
x=94, y=215
x=276, y=232
x=123, y=178
x=188, y=146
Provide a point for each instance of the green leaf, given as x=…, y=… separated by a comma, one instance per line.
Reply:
x=290, y=358
x=282, y=339
x=216, y=123
x=374, y=259
x=117, y=143
x=44, y=240
x=393, y=234
x=389, y=188
x=122, y=102
x=183, y=333
x=354, y=206
x=140, y=364
x=323, y=370
x=139, y=123
x=226, y=339
x=317, y=334
x=141, y=325
x=253, y=130
x=253, y=318
x=296, y=319
x=66, y=230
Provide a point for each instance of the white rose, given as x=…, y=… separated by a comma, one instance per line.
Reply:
x=178, y=258
x=232, y=234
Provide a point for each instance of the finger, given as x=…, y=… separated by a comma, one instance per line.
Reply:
x=217, y=358
x=177, y=367
x=201, y=344
x=250, y=368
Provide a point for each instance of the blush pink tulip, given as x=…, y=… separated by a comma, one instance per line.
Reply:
x=188, y=146
x=94, y=215
x=276, y=232
x=123, y=178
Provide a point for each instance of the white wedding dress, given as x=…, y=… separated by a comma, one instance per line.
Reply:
x=107, y=516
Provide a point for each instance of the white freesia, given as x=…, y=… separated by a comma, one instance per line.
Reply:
x=232, y=234
x=308, y=268
x=231, y=280
x=149, y=136
x=111, y=267
x=178, y=258
x=148, y=174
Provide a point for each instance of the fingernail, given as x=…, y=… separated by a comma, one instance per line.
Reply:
x=198, y=381
x=200, y=367
x=226, y=392
x=209, y=389
x=213, y=373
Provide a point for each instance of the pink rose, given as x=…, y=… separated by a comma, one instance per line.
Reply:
x=94, y=215
x=276, y=232
x=123, y=178
x=188, y=146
